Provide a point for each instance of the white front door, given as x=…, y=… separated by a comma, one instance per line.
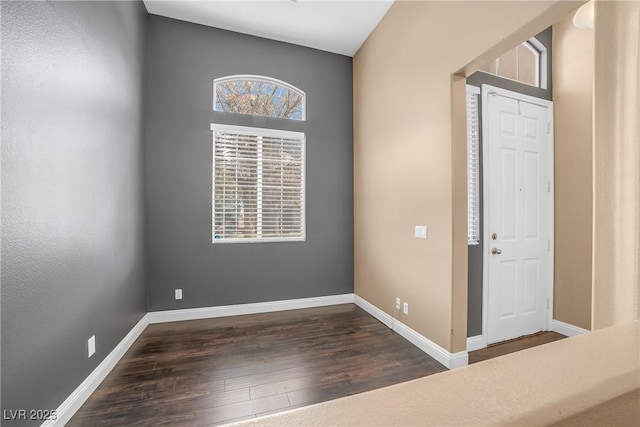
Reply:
x=518, y=243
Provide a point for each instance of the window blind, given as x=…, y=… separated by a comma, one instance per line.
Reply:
x=473, y=165
x=258, y=184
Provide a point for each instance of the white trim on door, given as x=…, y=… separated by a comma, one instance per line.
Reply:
x=486, y=89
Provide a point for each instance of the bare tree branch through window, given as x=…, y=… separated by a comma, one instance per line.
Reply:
x=258, y=96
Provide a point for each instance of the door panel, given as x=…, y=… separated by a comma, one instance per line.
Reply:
x=531, y=196
x=508, y=276
x=518, y=198
x=508, y=194
x=530, y=292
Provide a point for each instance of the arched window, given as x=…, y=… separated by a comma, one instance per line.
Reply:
x=258, y=173
x=258, y=96
x=526, y=63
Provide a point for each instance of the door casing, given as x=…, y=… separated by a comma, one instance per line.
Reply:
x=486, y=238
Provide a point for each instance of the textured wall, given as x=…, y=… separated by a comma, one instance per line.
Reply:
x=573, y=66
x=616, y=215
x=410, y=155
x=182, y=61
x=72, y=205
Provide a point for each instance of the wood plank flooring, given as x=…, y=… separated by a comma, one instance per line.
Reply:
x=511, y=346
x=214, y=371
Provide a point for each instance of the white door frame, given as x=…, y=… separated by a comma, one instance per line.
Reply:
x=487, y=91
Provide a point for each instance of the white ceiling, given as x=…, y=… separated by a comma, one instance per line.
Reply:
x=338, y=26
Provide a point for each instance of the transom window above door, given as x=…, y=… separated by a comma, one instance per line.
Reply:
x=258, y=96
x=526, y=63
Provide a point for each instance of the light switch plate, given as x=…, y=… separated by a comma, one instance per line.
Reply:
x=421, y=231
x=405, y=308
x=178, y=293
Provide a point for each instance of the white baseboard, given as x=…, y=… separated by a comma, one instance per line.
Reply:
x=374, y=311
x=476, y=343
x=567, y=329
x=241, y=309
x=479, y=342
x=450, y=360
x=80, y=395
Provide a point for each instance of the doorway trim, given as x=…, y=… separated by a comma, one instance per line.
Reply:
x=486, y=239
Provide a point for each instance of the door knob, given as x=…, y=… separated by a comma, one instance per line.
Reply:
x=496, y=251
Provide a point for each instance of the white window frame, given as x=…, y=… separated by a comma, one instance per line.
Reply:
x=541, y=64
x=265, y=79
x=473, y=168
x=274, y=133
x=541, y=61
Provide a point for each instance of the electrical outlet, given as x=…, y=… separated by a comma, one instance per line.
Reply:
x=91, y=346
x=405, y=308
x=178, y=293
x=398, y=303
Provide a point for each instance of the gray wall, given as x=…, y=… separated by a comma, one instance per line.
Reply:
x=474, y=284
x=182, y=61
x=72, y=197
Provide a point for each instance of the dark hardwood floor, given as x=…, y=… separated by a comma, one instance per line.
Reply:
x=511, y=346
x=213, y=371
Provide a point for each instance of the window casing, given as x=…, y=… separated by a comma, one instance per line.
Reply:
x=258, y=185
x=526, y=63
x=473, y=165
x=259, y=96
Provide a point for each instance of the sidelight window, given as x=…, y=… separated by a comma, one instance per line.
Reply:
x=473, y=165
